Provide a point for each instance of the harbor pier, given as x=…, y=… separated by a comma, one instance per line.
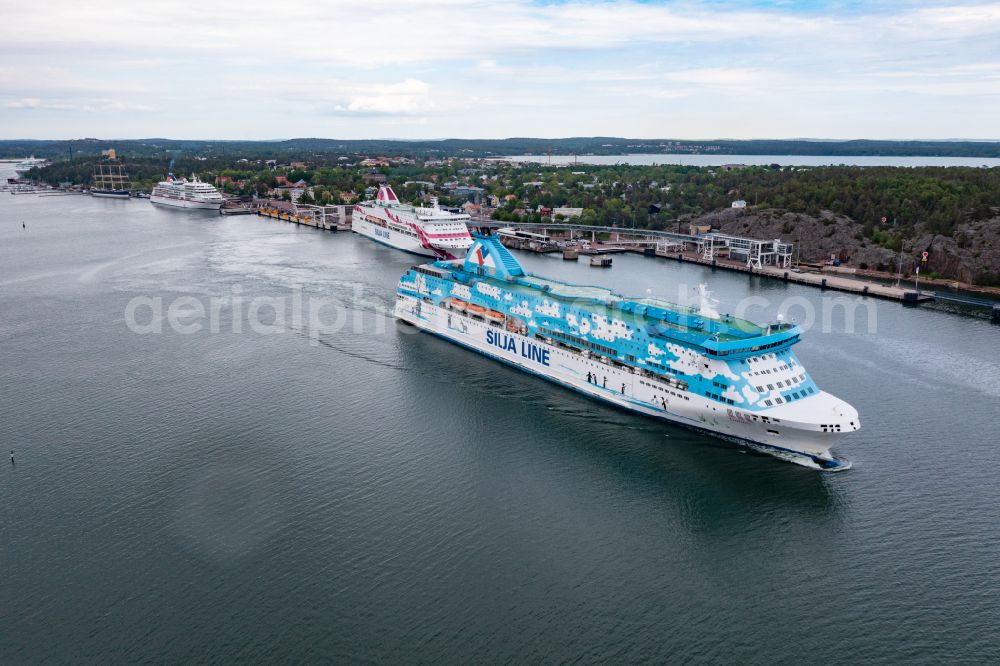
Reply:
x=769, y=258
x=328, y=218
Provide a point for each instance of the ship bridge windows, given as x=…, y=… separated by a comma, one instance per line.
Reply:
x=727, y=352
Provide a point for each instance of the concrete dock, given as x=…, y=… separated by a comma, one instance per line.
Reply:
x=821, y=280
x=310, y=216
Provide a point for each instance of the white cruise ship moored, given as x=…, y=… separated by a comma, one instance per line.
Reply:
x=26, y=165
x=690, y=366
x=430, y=232
x=186, y=194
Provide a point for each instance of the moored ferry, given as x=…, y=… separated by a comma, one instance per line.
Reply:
x=27, y=164
x=431, y=232
x=186, y=194
x=690, y=366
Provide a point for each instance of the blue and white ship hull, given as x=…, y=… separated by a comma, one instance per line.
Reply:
x=580, y=343
x=623, y=388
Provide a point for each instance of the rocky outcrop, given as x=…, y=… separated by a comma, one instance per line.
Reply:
x=971, y=255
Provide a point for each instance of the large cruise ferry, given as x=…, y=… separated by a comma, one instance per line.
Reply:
x=690, y=366
x=431, y=232
x=186, y=194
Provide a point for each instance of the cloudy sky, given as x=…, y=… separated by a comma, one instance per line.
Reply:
x=245, y=69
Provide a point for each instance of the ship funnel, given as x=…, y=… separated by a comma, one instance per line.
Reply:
x=386, y=195
x=434, y=203
x=488, y=256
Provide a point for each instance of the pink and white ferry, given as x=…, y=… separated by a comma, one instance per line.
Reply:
x=431, y=232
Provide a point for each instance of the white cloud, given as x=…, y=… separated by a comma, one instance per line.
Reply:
x=407, y=97
x=88, y=106
x=24, y=103
x=483, y=68
x=388, y=32
x=951, y=22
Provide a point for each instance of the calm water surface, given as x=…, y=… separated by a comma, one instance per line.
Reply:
x=784, y=160
x=374, y=495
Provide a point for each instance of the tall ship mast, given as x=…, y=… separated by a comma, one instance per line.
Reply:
x=110, y=178
x=430, y=231
x=184, y=193
x=691, y=367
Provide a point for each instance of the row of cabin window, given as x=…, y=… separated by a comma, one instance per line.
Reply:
x=789, y=398
x=716, y=396
x=782, y=384
x=767, y=371
x=607, y=351
x=426, y=271
x=747, y=416
x=398, y=230
x=660, y=388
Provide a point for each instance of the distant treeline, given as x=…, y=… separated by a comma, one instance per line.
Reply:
x=936, y=198
x=306, y=149
x=912, y=201
x=144, y=172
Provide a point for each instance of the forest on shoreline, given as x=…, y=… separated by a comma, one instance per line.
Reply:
x=866, y=212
